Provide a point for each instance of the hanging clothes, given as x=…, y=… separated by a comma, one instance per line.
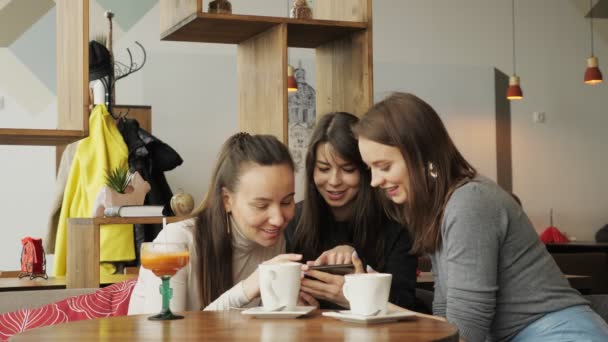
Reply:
x=104, y=149
x=151, y=158
x=65, y=165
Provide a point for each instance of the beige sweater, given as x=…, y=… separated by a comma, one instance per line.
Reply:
x=247, y=255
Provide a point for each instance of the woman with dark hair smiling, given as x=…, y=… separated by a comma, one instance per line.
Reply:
x=494, y=279
x=341, y=213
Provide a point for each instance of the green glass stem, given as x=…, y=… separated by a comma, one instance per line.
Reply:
x=167, y=293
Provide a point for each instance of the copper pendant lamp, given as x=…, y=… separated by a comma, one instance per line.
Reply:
x=514, y=91
x=593, y=75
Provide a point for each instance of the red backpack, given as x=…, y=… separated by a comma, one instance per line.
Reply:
x=33, y=260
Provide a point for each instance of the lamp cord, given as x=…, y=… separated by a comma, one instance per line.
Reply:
x=513, y=34
x=591, y=23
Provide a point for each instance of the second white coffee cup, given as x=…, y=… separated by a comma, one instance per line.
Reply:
x=279, y=285
x=367, y=293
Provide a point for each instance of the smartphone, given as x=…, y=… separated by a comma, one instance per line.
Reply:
x=335, y=269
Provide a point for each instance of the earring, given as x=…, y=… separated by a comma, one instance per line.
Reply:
x=228, y=222
x=432, y=170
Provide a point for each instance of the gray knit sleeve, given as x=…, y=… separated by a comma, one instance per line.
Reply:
x=439, y=302
x=473, y=229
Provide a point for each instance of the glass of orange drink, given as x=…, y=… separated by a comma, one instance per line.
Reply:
x=164, y=259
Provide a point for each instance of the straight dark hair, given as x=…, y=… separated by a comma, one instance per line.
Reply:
x=213, y=243
x=335, y=129
x=435, y=166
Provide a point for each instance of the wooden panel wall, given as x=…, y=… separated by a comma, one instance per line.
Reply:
x=174, y=11
x=72, y=64
x=344, y=68
x=262, y=77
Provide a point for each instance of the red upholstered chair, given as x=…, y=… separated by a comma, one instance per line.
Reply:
x=109, y=301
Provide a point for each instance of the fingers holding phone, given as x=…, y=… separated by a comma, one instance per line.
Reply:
x=326, y=286
x=305, y=299
x=336, y=256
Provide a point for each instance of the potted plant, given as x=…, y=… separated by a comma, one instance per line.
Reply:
x=123, y=187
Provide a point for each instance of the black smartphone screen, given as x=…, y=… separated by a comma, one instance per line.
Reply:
x=335, y=269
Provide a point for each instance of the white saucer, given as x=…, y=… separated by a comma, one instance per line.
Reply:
x=391, y=316
x=260, y=312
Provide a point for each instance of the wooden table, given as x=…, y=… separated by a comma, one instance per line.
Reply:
x=25, y=284
x=233, y=326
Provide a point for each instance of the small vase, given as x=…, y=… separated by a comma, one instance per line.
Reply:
x=135, y=195
x=220, y=6
x=301, y=10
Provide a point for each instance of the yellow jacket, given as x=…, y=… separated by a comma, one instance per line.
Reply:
x=104, y=149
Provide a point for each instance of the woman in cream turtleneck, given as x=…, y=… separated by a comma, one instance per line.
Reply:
x=239, y=225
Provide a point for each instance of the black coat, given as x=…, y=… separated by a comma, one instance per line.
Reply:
x=151, y=158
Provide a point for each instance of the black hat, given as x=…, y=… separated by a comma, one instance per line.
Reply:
x=100, y=62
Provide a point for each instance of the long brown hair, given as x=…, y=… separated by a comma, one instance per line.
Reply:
x=435, y=166
x=335, y=129
x=213, y=243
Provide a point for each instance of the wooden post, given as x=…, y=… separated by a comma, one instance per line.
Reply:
x=82, y=269
x=73, y=65
x=344, y=73
x=262, y=77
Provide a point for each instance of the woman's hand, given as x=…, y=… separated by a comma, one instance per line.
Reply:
x=307, y=300
x=359, y=264
x=325, y=286
x=328, y=286
x=251, y=285
x=338, y=255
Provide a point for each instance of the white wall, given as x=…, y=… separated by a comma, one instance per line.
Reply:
x=560, y=164
x=467, y=111
x=192, y=90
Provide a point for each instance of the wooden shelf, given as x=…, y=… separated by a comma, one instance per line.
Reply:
x=135, y=220
x=39, y=137
x=234, y=29
x=82, y=264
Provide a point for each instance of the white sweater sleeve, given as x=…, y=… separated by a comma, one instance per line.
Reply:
x=146, y=297
x=233, y=298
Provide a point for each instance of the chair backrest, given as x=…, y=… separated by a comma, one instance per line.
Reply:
x=599, y=303
x=17, y=300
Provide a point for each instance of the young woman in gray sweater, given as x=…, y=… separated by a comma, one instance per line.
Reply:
x=493, y=277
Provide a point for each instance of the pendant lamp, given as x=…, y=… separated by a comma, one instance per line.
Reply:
x=292, y=85
x=514, y=91
x=593, y=75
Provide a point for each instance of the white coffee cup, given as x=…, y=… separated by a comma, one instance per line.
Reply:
x=367, y=293
x=279, y=285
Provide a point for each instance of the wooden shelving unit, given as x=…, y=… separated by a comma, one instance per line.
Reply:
x=39, y=137
x=82, y=268
x=72, y=81
x=341, y=35
x=220, y=28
